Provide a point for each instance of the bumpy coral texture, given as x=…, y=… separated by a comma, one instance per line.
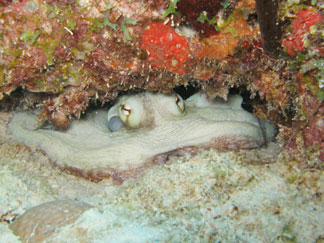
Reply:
x=166, y=49
x=40, y=222
x=314, y=133
x=306, y=18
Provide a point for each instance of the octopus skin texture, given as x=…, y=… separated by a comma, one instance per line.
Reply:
x=143, y=129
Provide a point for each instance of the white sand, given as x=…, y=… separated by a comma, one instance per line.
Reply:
x=210, y=197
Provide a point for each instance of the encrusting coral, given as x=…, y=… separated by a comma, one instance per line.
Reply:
x=40, y=222
x=72, y=54
x=63, y=59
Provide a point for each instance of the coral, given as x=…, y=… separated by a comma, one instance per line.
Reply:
x=59, y=110
x=227, y=41
x=310, y=112
x=166, y=49
x=69, y=53
x=295, y=42
x=54, y=46
x=40, y=222
x=314, y=133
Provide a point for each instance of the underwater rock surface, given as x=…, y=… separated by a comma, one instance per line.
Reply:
x=155, y=125
x=40, y=222
x=208, y=197
x=257, y=195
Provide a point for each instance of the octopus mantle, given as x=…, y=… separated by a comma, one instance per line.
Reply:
x=149, y=128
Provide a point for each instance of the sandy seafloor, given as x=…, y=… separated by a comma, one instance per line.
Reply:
x=250, y=196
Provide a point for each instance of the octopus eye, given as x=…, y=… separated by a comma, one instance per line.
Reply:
x=126, y=110
x=132, y=112
x=180, y=103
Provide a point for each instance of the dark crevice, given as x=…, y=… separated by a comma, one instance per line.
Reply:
x=248, y=103
x=187, y=91
x=10, y=102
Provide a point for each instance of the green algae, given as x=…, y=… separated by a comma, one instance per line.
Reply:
x=316, y=65
x=127, y=36
x=50, y=36
x=171, y=9
x=225, y=4
x=42, y=84
x=2, y=75
x=48, y=49
x=30, y=36
x=54, y=11
x=96, y=25
x=14, y=52
x=203, y=18
x=108, y=23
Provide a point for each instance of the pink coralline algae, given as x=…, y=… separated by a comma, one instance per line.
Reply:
x=306, y=18
x=314, y=133
x=166, y=49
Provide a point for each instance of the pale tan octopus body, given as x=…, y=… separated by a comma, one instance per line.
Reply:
x=151, y=127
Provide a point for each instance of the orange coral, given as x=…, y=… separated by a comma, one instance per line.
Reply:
x=306, y=18
x=223, y=44
x=166, y=49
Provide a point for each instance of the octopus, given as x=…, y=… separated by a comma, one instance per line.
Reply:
x=141, y=130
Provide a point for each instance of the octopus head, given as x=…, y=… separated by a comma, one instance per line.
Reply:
x=132, y=112
x=138, y=111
